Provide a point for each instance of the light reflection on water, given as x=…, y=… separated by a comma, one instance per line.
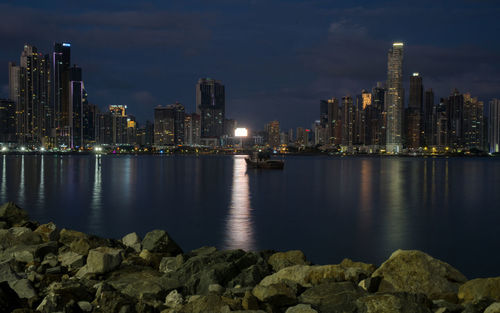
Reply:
x=239, y=221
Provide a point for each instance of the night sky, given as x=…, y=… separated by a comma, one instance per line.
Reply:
x=277, y=59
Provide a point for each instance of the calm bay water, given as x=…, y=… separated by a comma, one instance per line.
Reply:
x=329, y=207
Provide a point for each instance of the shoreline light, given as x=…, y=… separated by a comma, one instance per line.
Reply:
x=240, y=132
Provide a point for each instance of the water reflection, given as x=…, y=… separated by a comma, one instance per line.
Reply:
x=20, y=195
x=41, y=190
x=396, y=219
x=3, y=187
x=239, y=230
x=96, y=202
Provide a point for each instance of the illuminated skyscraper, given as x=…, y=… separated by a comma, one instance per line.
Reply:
x=273, y=134
x=60, y=92
x=494, y=126
x=413, y=116
x=211, y=106
x=473, y=123
x=348, y=120
x=76, y=95
x=32, y=106
x=454, y=111
x=394, y=100
x=429, y=118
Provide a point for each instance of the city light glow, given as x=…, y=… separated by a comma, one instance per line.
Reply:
x=240, y=132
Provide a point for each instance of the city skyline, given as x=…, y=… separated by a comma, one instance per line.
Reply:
x=284, y=79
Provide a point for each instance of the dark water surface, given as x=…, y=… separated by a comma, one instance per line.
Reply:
x=329, y=207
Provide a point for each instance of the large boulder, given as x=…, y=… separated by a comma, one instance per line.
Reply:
x=48, y=232
x=279, y=294
x=159, y=241
x=139, y=283
x=391, y=303
x=12, y=214
x=417, y=272
x=103, y=259
x=68, y=236
x=480, y=288
x=210, y=303
x=333, y=296
x=133, y=241
x=71, y=260
x=493, y=308
x=306, y=275
x=281, y=260
x=23, y=288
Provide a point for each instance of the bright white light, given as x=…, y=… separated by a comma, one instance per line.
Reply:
x=42, y=149
x=23, y=148
x=4, y=148
x=240, y=132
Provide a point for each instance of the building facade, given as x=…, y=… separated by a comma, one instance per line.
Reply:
x=394, y=99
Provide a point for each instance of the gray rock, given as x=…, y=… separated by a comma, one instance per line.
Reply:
x=301, y=308
x=249, y=301
x=159, y=241
x=103, y=259
x=48, y=232
x=333, y=296
x=480, y=288
x=71, y=260
x=206, y=304
x=85, y=306
x=12, y=214
x=23, y=288
x=493, y=308
x=46, y=248
x=174, y=299
x=216, y=288
x=306, y=275
x=390, y=303
x=67, y=236
x=54, y=270
x=281, y=260
x=417, y=272
x=278, y=294
x=139, y=283
x=6, y=272
x=133, y=241
x=171, y=264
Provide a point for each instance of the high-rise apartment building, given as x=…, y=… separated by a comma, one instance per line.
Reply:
x=7, y=121
x=454, y=111
x=60, y=92
x=211, y=106
x=473, y=123
x=394, y=99
x=273, y=134
x=348, y=121
x=494, y=126
x=76, y=102
x=32, y=104
x=428, y=119
x=169, y=125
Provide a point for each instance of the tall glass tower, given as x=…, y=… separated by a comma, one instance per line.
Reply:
x=211, y=106
x=394, y=100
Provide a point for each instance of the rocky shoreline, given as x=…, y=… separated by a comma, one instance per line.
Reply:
x=47, y=269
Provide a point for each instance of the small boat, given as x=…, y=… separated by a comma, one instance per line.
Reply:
x=260, y=161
